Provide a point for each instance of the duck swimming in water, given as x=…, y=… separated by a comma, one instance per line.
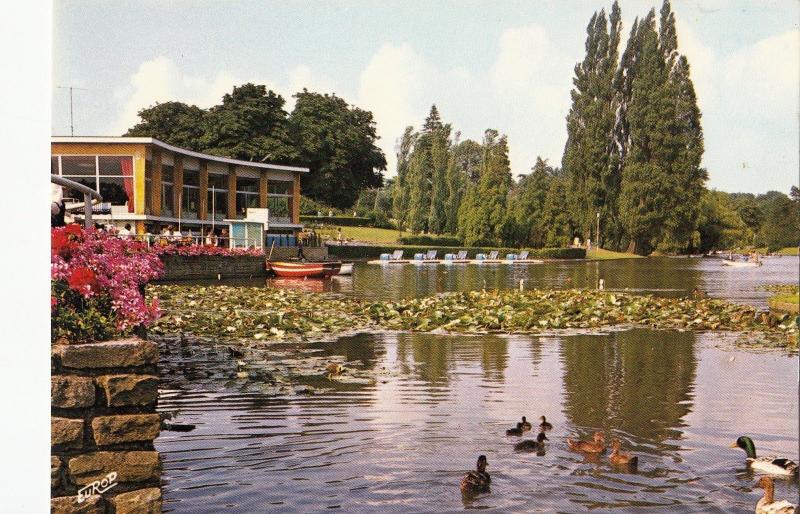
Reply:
x=526, y=425
x=621, y=459
x=533, y=445
x=596, y=445
x=767, y=503
x=767, y=465
x=477, y=481
x=545, y=425
x=515, y=431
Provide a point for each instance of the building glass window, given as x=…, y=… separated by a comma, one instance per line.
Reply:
x=217, y=196
x=190, y=200
x=279, y=200
x=82, y=169
x=246, y=194
x=116, y=180
x=167, y=190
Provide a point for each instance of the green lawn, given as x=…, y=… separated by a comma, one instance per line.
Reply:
x=789, y=250
x=599, y=254
x=362, y=234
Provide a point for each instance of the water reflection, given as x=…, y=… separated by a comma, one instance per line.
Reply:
x=637, y=381
x=404, y=440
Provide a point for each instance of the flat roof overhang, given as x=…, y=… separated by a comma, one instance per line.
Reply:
x=165, y=146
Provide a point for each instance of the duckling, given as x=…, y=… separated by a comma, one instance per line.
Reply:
x=621, y=459
x=597, y=445
x=545, y=425
x=515, y=431
x=334, y=369
x=477, y=481
x=526, y=425
x=768, y=465
x=530, y=444
x=767, y=503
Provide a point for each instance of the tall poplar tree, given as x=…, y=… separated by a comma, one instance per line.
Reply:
x=440, y=159
x=593, y=180
x=401, y=186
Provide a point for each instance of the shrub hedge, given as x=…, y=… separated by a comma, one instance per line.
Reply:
x=429, y=240
x=345, y=221
x=374, y=252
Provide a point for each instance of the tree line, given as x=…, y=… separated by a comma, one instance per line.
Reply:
x=631, y=164
x=335, y=140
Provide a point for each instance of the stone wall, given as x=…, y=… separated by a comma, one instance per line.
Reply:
x=104, y=421
x=198, y=267
x=179, y=267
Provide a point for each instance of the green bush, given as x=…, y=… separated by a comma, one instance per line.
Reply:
x=374, y=252
x=423, y=239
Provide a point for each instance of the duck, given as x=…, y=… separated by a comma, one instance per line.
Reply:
x=767, y=503
x=515, y=431
x=596, y=445
x=767, y=465
x=334, y=369
x=544, y=424
x=621, y=459
x=477, y=481
x=530, y=444
x=526, y=425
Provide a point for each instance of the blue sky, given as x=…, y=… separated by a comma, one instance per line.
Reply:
x=500, y=64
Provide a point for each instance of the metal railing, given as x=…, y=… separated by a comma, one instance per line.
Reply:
x=89, y=195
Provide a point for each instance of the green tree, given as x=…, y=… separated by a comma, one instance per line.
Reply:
x=400, y=194
x=526, y=206
x=556, y=218
x=590, y=124
x=440, y=161
x=251, y=125
x=338, y=143
x=174, y=123
x=781, y=226
x=719, y=225
x=483, y=216
x=463, y=170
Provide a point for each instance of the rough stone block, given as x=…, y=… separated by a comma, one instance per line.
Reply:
x=66, y=432
x=125, y=428
x=142, y=501
x=113, y=354
x=69, y=505
x=129, y=389
x=130, y=466
x=71, y=391
x=55, y=472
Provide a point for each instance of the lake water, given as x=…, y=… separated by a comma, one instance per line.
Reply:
x=402, y=441
x=663, y=276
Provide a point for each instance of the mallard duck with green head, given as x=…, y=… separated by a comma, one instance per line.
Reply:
x=477, y=481
x=768, y=465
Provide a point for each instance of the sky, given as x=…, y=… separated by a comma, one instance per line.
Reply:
x=506, y=65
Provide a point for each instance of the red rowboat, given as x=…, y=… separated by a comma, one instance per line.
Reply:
x=305, y=269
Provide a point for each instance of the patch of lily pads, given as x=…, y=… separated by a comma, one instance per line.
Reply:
x=261, y=314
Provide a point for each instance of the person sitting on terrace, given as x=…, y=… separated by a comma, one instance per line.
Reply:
x=211, y=238
x=125, y=231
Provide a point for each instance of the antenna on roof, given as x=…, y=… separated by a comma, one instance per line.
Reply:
x=71, y=125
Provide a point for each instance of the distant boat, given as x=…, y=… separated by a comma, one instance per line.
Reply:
x=305, y=269
x=741, y=264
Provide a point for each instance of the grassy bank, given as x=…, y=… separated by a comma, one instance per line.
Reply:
x=600, y=254
x=789, y=250
x=361, y=234
x=245, y=313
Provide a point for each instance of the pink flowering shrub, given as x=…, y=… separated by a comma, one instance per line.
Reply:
x=172, y=249
x=97, y=283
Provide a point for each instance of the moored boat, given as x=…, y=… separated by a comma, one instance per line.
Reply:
x=346, y=269
x=305, y=269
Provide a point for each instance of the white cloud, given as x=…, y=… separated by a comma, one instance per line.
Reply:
x=161, y=80
x=701, y=63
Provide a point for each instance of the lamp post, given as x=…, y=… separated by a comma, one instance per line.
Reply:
x=597, y=231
